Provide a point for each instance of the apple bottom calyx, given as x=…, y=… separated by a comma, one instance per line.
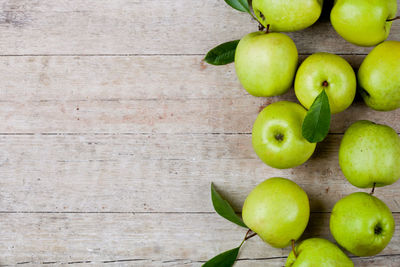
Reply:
x=378, y=229
x=362, y=224
x=279, y=137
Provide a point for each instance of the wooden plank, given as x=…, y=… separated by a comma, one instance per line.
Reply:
x=59, y=78
x=141, y=27
x=203, y=109
x=158, y=115
x=141, y=239
x=154, y=173
x=114, y=95
x=55, y=78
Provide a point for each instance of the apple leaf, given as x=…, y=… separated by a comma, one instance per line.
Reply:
x=318, y=119
x=241, y=5
x=223, y=208
x=222, y=54
x=225, y=259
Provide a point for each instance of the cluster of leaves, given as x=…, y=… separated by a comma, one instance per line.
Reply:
x=223, y=208
x=317, y=121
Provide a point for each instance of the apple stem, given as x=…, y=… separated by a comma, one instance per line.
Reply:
x=373, y=189
x=260, y=26
x=267, y=31
x=395, y=18
x=248, y=235
x=294, y=249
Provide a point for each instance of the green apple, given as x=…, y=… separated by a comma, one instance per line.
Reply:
x=266, y=63
x=379, y=77
x=287, y=15
x=277, y=135
x=318, y=252
x=369, y=154
x=277, y=210
x=324, y=71
x=362, y=224
x=362, y=22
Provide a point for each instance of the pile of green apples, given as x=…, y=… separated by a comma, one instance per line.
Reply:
x=266, y=63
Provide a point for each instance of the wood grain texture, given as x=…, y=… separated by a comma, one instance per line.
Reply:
x=112, y=129
x=124, y=95
x=143, y=239
x=142, y=27
x=154, y=173
x=158, y=116
x=80, y=78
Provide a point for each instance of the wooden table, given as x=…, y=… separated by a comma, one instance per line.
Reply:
x=112, y=129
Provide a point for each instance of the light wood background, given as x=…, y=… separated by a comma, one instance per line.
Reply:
x=112, y=129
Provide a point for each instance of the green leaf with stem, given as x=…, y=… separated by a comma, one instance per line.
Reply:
x=223, y=208
x=228, y=258
x=241, y=5
x=251, y=12
x=318, y=119
x=222, y=54
x=244, y=6
x=225, y=259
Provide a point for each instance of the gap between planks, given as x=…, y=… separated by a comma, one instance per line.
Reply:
x=141, y=55
x=187, y=261
x=135, y=212
x=122, y=134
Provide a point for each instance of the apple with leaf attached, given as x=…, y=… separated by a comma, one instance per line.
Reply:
x=266, y=63
x=329, y=72
x=277, y=135
x=277, y=210
x=324, y=84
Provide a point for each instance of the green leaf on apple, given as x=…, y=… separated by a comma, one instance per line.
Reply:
x=225, y=259
x=241, y=5
x=318, y=119
x=223, y=208
x=222, y=54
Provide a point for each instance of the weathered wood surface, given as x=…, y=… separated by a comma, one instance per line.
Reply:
x=141, y=27
x=112, y=129
x=154, y=173
x=137, y=95
x=170, y=239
